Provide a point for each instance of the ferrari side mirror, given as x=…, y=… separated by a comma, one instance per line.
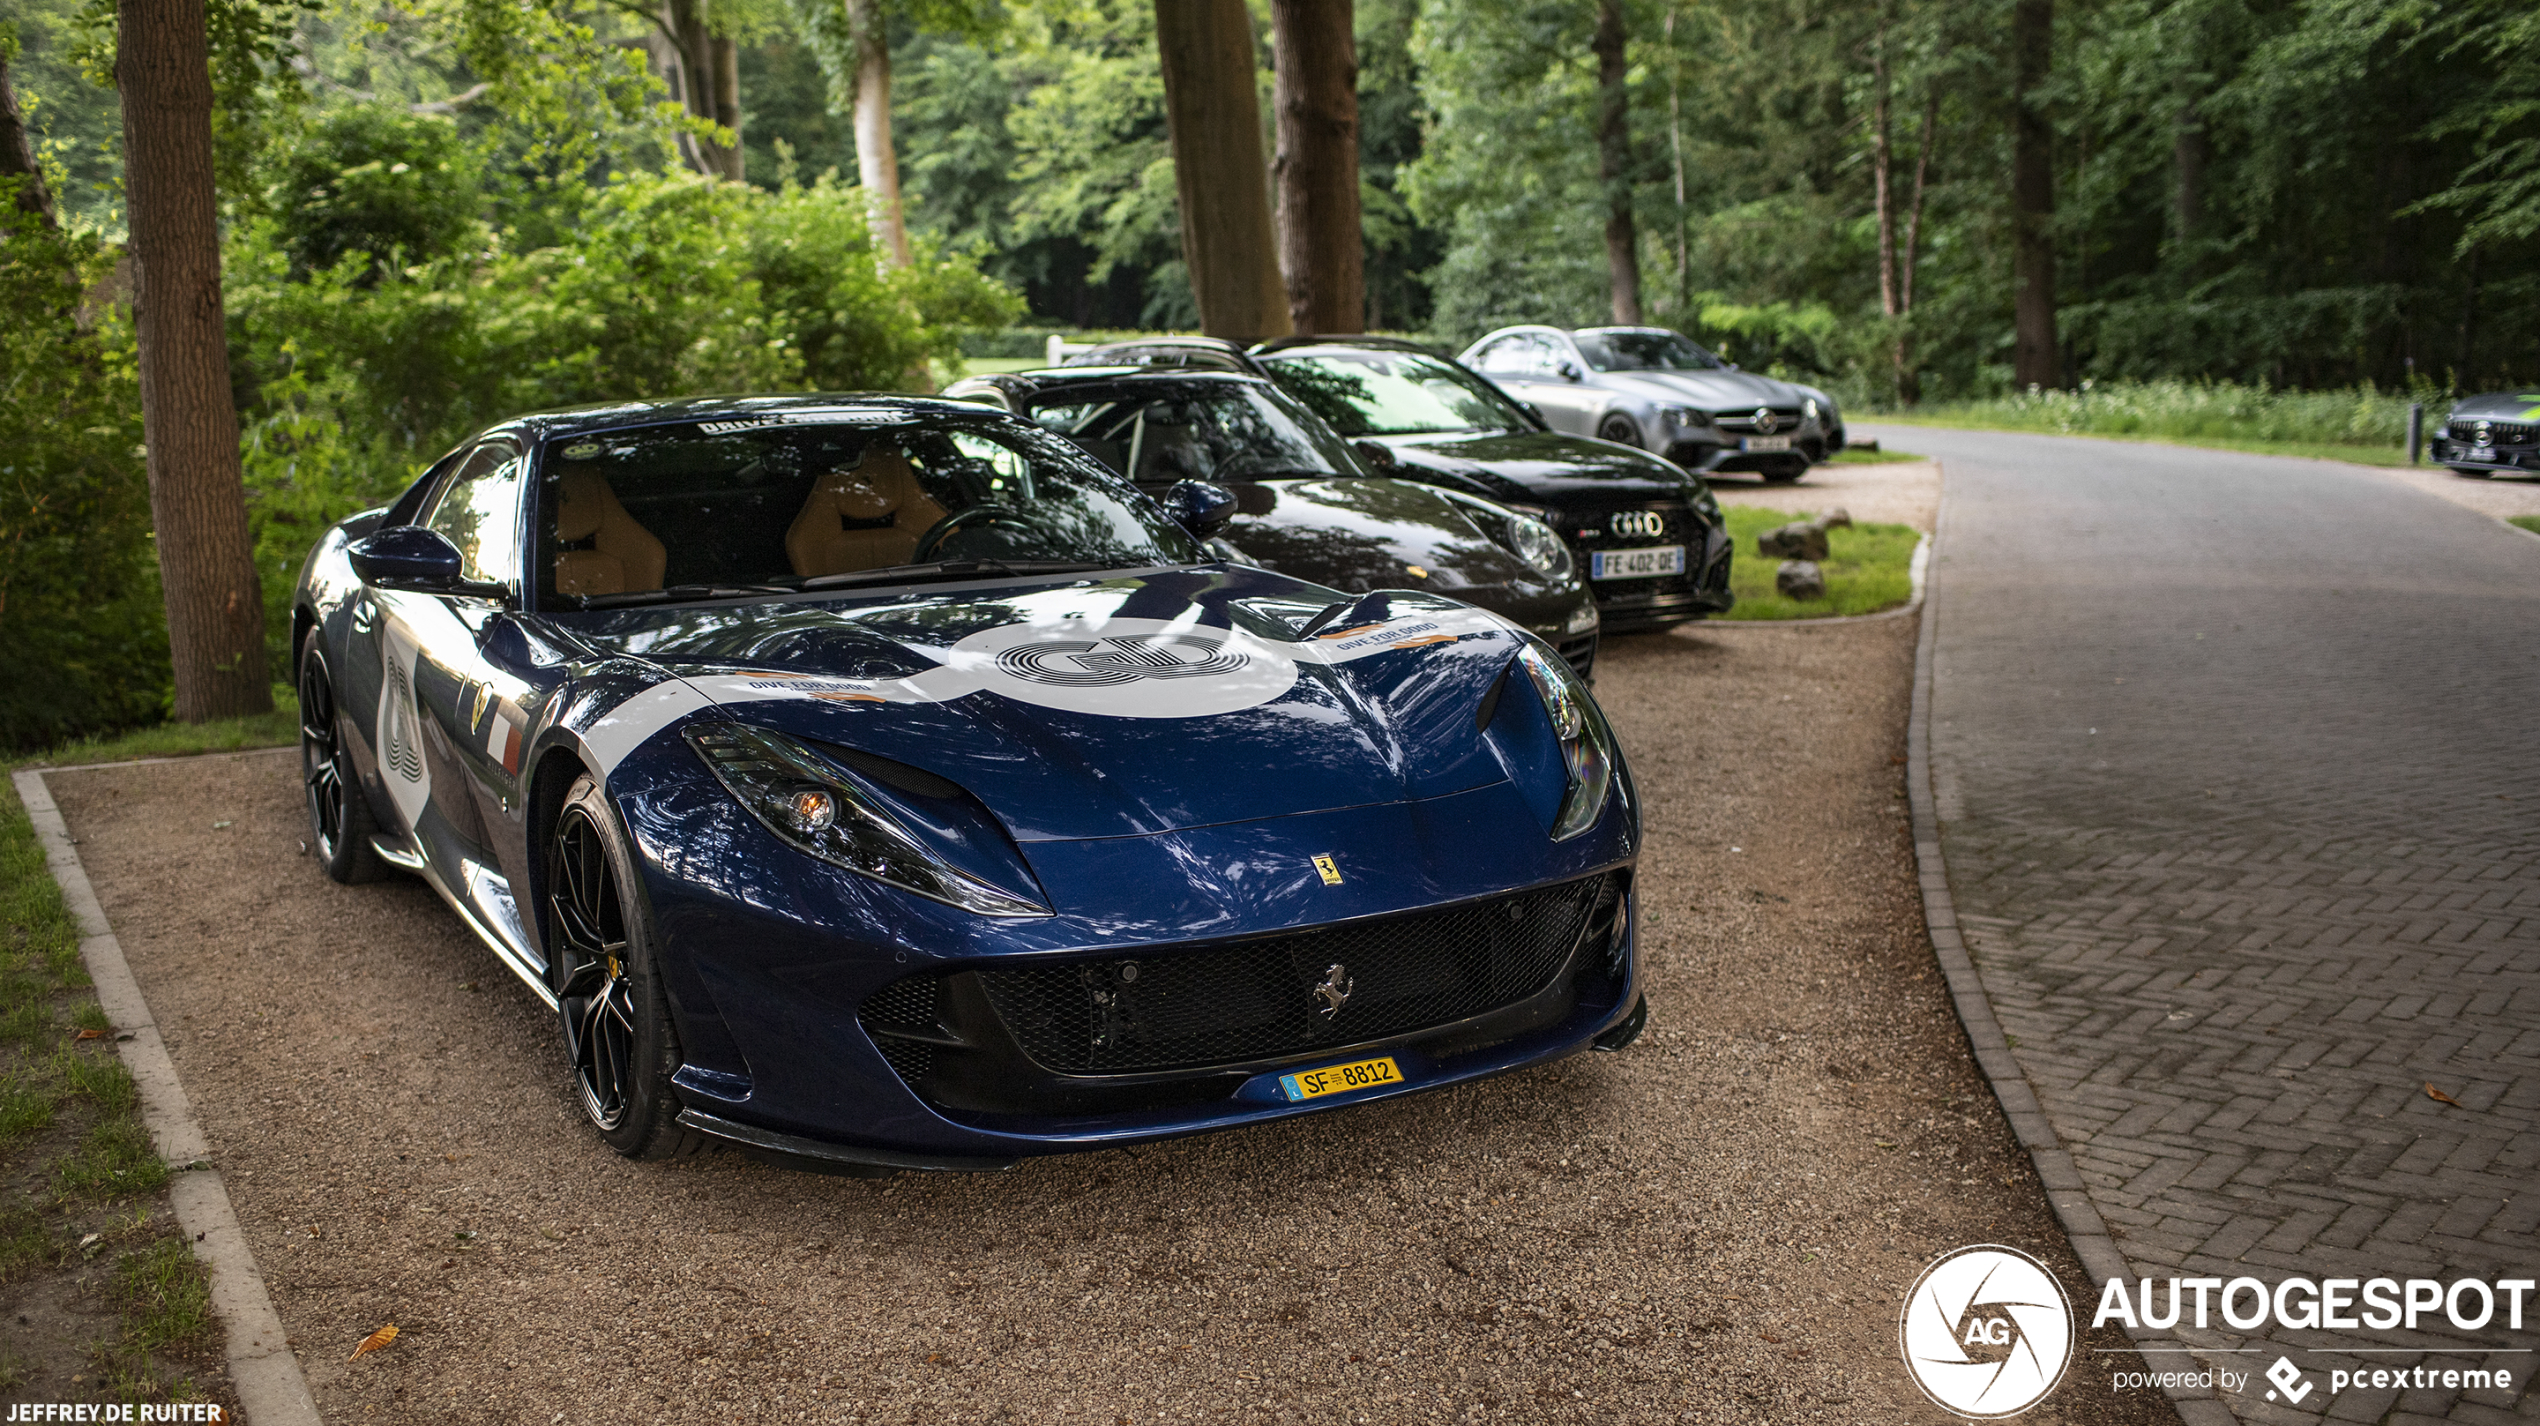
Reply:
x=406, y=557
x=1199, y=507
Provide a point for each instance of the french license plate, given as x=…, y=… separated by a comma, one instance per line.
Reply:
x=1764, y=443
x=1637, y=564
x=1340, y=1079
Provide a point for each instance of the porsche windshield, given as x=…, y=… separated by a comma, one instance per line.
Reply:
x=1644, y=351
x=718, y=509
x=1395, y=394
x=1219, y=431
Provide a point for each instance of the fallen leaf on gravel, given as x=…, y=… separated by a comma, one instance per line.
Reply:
x=2432, y=1093
x=376, y=1340
x=90, y=1035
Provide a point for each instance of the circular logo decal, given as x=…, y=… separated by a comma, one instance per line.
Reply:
x=1128, y=668
x=1987, y=1331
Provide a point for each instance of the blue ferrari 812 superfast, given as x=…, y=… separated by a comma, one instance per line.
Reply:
x=881, y=783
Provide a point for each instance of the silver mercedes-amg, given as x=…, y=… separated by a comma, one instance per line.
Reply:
x=1661, y=391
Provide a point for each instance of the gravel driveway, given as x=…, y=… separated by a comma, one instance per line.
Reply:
x=1718, y=1224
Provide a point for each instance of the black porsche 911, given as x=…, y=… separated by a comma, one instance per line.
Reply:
x=2497, y=433
x=1648, y=535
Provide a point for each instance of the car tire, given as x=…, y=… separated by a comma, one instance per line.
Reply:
x=620, y=1047
x=340, y=825
x=1786, y=474
x=2472, y=472
x=1618, y=429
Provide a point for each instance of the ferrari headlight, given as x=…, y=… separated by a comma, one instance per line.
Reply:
x=807, y=803
x=1535, y=543
x=1587, y=745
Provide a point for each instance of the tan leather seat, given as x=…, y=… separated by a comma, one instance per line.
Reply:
x=624, y=557
x=881, y=487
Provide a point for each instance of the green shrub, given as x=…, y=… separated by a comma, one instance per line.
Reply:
x=2199, y=410
x=83, y=648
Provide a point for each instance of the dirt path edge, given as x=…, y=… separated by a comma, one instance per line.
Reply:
x=271, y=1390
x=2056, y=1172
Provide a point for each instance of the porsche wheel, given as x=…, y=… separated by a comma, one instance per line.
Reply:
x=1619, y=430
x=339, y=816
x=617, y=1031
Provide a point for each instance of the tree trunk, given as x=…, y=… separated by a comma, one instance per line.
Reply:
x=1322, y=247
x=877, y=163
x=1213, y=115
x=1614, y=160
x=1909, y=384
x=2187, y=165
x=705, y=76
x=17, y=156
x=1676, y=147
x=198, y=501
x=2033, y=362
x=1882, y=196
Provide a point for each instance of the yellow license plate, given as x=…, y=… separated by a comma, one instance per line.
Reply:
x=1340, y=1079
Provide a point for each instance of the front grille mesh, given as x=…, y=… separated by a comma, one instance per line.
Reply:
x=908, y=1006
x=2501, y=433
x=1257, y=999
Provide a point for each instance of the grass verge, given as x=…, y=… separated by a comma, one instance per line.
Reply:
x=2305, y=450
x=2527, y=522
x=1853, y=455
x=1867, y=568
x=87, y=1225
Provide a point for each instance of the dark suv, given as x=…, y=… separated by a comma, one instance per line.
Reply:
x=1648, y=535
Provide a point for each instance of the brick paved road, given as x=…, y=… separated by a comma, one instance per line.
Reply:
x=2237, y=762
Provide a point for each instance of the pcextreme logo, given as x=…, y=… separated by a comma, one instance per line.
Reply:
x=1986, y=1332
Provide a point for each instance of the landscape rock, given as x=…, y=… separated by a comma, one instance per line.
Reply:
x=1800, y=579
x=1836, y=519
x=1800, y=540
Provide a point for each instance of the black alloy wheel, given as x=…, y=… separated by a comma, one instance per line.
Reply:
x=340, y=825
x=617, y=1032
x=1619, y=429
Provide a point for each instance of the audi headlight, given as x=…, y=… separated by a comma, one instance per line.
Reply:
x=809, y=804
x=1587, y=745
x=1536, y=543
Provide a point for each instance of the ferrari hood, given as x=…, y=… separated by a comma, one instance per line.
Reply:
x=1539, y=465
x=1092, y=707
x=1709, y=390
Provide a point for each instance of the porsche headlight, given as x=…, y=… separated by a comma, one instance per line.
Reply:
x=1534, y=542
x=809, y=804
x=1587, y=745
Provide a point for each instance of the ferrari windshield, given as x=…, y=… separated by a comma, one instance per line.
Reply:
x=1644, y=351
x=1215, y=431
x=1383, y=393
x=721, y=508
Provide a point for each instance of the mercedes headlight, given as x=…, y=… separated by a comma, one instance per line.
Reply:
x=1587, y=745
x=1536, y=543
x=808, y=803
x=1682, y=416
x=1808, y=409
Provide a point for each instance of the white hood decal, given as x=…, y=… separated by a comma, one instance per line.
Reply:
x=1111, y=667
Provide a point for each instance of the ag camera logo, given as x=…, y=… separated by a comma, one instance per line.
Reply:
x=1986, y=1332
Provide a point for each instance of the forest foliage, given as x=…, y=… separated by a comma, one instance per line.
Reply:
x=442, y=212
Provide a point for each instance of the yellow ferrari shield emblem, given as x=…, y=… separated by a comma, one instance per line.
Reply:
x=1331, y=872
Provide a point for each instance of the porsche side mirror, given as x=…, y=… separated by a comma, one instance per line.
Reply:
x=1199, y=507
x=1377, y=454
x=406, y=557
